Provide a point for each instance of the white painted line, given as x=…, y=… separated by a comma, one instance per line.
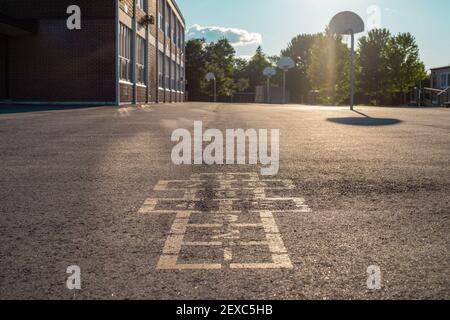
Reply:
x=229, y=191
x=227, y=254
x=173, y=244
x=167, y=262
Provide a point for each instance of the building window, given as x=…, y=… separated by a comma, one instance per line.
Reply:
x=182, y=80
x=168, y=66
x=161, y=69
x=182, y=40
x=175, y=32
x=161, y=22
x=125, y=53
x=173, y=75
x=175, y=84
x=169, y=22
x=445, y=80
x=179, y=36
x=178, y=78
x=174, y=28
x=141, y=4
x=140, y=60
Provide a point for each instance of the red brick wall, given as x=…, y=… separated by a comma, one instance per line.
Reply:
x=153, y=74
x=141, y=94
x=161, y=95
x=2, y=67
x=129, y=4
x=126, y=93
x=152, y=11
x=58, y=64
x=61, y=65
x=56, y=9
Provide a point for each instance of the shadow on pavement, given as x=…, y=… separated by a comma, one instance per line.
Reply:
x=20, y=108
x=364, y=121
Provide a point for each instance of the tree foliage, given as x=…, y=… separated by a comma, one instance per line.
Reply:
x=195, y=67
x=387, y=66
x=405, y=68
x=300, y=50
x=201, y=58
x=372, y=62
x=329, y=69
x=219, y=59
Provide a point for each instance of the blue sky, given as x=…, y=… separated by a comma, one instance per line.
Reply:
x=272, y=23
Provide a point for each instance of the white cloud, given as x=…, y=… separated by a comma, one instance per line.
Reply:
x=245, y=56
x=237, y=37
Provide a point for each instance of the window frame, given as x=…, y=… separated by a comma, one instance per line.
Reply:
x=168, y=22
x=125, y=35
x=141, y=69
x=444, y=80
x=167, y=73
x=141, y=4
x=173, y=73
x=161, y=15
x=161, y=69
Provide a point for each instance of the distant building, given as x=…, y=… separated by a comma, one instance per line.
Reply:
x=126, y=51
x=440, y=78
x=440, y=83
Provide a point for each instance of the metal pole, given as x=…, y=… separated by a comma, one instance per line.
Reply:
x=352, y=74
x=215, y=91
x=284, y=86
x=268, y=89
x=420, y=94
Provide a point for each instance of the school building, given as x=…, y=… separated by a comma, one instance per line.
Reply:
x=105, y=52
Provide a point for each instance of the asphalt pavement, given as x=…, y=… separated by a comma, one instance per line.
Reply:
x=96, y=188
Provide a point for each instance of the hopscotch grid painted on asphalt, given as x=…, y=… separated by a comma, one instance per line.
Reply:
x=223, y=192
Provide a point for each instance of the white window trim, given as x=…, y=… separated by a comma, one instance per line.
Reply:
x=125, y=82
x=127, y=47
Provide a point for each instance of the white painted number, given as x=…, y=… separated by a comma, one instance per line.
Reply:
x=374, y=278
x=74, y=280
x=74, y=21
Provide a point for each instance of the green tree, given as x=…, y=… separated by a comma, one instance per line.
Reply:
x=372, y=65
x=252, y=69
x=242, y=84
x=219, y=59
x=255, y=68
x=241, y=74
x=195, y=67
x=300, y=49
x=405, y=68
x=329, y=69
